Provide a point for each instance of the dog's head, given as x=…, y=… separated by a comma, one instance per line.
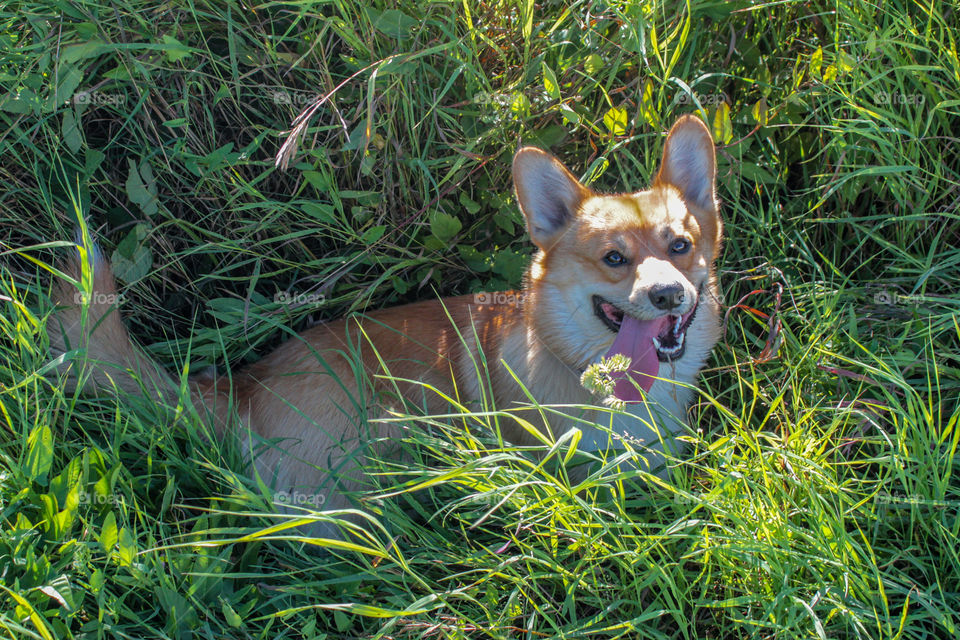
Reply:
x=623, y=273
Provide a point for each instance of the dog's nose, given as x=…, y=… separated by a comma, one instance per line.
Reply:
x=666, y=296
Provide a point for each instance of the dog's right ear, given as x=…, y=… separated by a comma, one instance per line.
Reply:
x=548, y=194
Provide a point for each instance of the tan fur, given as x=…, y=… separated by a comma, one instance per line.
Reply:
x=303, y=404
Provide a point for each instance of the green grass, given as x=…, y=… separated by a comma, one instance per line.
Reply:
x=819, y=497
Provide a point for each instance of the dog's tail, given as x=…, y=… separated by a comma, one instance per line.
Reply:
x=87, y=323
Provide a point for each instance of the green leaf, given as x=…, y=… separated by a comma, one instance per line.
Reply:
x=760, y=113
x=132, y=258
x=23, y=101
x=82, y=51
x=520, y=105
x=342, y=621
x=108, y=533
x=230, y=615
x=70, y=131
x=570, y=117
x=97, y=580
x=59, y=590
x=142, y=187
x=92, y=160
x=180, y=615
x=648, y=107
x=550, y=82
x=469, y=205
x=511, y=265
x=395, y=24
x=755, y=173
x=526, y=13
x=400, y=286
x=39, y=454
x=70, y=78
x=816, y=61
x=319, y=211
x=592, y=64
x=444, y=226
x=67, y=485
x=616, y=121
x=365, y=198
x=174, y=49
x=506, y=220
x=475, y=261
x=722, y=125
x=373, y=234
x=398, y=66
x=845, y=62
x=127, y=547
x=317, y=180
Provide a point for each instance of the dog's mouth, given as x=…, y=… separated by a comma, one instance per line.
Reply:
x=646, y=342
x=666, y=334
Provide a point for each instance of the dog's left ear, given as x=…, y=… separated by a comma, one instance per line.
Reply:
x=689, y=163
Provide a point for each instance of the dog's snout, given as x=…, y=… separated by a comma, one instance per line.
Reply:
x=666, y=296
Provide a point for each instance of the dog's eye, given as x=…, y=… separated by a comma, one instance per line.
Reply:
x=680, y=245
x=614, y=259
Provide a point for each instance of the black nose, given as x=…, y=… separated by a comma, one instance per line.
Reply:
x=666, y=296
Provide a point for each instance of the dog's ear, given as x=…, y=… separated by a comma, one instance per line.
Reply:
x=689, y=163
x=548, y=194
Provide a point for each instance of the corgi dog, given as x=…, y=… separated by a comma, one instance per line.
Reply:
x=630, y=274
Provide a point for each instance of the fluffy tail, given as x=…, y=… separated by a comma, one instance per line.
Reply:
x=87, y=323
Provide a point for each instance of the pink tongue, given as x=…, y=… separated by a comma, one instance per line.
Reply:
x=635, y=340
